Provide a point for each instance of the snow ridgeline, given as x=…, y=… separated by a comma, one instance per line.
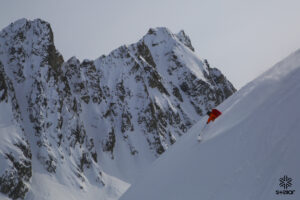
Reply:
x=245, y=151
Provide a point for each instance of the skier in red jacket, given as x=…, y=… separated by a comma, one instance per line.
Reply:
x=213, y=114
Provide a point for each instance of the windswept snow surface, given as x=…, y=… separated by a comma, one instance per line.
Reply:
x=244, y=152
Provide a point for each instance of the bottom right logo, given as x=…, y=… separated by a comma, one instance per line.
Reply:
x=285, y=182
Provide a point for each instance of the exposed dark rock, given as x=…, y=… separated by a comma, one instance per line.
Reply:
x=185, y=40
x=3, y=87
x=110, y=142
x=84, y=162
x=12, y=182
x=144, y=51
x=125, y=92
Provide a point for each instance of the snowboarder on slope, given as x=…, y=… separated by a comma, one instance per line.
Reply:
x=213, y=114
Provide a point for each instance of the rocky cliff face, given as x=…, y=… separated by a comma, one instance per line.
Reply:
x=83, y=122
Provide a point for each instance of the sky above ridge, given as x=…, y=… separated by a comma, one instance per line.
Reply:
x=241, y=38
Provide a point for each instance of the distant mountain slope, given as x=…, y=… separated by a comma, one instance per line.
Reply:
x=91, y=124
x=245, y=151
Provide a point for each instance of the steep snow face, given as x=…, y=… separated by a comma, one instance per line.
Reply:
x=245, y=151
x=89, y=126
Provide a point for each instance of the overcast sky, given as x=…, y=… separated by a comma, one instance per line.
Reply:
x=242, y=38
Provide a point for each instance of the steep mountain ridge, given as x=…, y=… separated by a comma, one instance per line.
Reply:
x=84, y=123
x=246, y=153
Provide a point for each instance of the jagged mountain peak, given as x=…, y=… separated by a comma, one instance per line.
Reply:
x=162, y=35
x=83, y=120
x=159, y=31
x=24, y=40
x=73, y=59
x=37, y=27
x=185, y=39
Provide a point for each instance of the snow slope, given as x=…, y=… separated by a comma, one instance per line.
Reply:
x=244, y=153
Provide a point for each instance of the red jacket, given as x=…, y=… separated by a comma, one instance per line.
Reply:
x=213, y=115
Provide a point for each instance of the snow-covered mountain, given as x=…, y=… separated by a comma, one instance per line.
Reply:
x=72, y=129
x=244, y=153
